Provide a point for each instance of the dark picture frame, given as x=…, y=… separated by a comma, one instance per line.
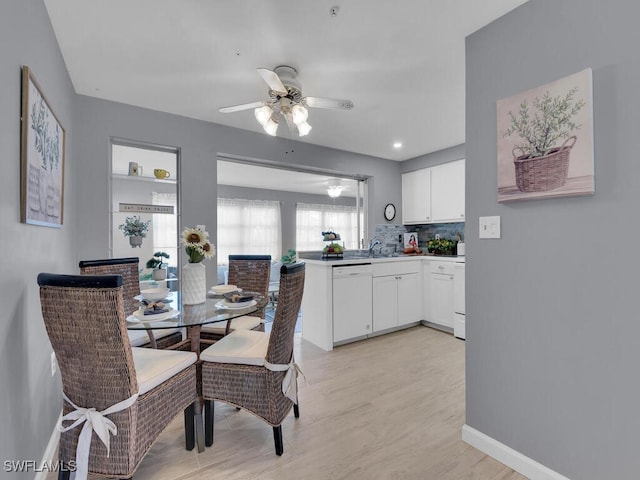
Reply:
x=42, y=155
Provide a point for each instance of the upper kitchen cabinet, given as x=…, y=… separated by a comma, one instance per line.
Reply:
x=416, y=196
x=434, y=194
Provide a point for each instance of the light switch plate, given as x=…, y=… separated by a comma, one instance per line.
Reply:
x=490, y=227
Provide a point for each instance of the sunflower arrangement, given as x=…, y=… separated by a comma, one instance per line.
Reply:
x=197, y=245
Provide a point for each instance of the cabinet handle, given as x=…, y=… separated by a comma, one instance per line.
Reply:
x=440, y=267
x=451, y=277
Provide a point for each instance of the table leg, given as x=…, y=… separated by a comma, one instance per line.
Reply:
x=152, y=338
x=193, y=333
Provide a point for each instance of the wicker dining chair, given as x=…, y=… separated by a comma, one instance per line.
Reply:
x=250, y=273
x=141, y=389
x=252, y=369
x=129, y=269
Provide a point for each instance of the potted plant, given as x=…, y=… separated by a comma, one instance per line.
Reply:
x=542, y=165
x=442, y=246
x=158, y=265
x=134, y=228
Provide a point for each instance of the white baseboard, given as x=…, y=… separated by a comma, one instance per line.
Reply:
x=50, y=451
x=507, y=455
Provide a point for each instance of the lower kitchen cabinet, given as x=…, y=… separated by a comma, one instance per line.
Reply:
x=397, y=298
x=440, y=276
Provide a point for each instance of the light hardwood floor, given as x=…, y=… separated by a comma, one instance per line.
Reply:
x=391, y=407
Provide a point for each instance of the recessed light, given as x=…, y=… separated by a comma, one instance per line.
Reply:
x=397, y=145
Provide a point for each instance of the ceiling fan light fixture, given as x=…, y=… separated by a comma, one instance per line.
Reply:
x=303, y=128
x=334, y=189
x=299, y=114
x=263, y=114
x=271, y=126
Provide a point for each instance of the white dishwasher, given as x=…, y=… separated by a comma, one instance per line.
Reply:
x=352, y=305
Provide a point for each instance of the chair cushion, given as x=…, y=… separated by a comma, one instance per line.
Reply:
x=241, y=323
x=138, y=338
x=245, y=347
x=156, y=366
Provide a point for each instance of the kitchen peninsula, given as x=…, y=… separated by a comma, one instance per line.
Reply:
x=357, y=297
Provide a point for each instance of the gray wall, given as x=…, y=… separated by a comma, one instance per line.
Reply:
x=30, y=401
x=199, y=143
x=552, y=336
x=430, y=159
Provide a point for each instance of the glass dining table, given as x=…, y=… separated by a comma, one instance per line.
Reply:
x=192, y=317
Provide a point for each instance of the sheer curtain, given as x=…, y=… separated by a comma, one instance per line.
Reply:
x=248, y=227
x=165, y=227
x=313, y=219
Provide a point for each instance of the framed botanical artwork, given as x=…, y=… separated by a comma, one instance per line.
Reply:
x=42, y=157
x=545, y=140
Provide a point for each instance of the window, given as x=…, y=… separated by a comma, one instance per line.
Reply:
x=313, y=219
x=165, y=227
x=248, y=227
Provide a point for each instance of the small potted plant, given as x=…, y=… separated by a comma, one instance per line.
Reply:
x=541, y=162
x=442, y=246
x=158, y=265
x=134, y=228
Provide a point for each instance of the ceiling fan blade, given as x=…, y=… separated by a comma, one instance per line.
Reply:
x=336, y=103
x=273, y=80
x=237, y=108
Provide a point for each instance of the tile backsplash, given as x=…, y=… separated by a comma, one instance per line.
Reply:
x=391, y=235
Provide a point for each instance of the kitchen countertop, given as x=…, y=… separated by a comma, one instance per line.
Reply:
x=359, y=259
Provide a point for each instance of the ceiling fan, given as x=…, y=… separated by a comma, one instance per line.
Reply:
x=285, y=98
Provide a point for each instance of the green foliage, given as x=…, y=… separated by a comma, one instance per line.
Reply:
x=135, y=227
x=156, y=261
x=547, y=125
x=442, y=246
x=289, y=258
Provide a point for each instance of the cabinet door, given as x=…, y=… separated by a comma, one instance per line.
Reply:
x=441, y=299
x=447, y=192
x=409, y=298
x=385, y=303
x=416, y=196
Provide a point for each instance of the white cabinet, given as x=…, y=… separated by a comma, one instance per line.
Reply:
x=447, y=192
x=441, y=276
x=416, y=196
x=397, y=295
x=434, y=194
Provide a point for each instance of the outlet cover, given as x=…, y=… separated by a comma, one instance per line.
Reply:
x=490, y=227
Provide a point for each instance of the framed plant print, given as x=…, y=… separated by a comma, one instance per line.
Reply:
x=42, y=157
x=545, y=141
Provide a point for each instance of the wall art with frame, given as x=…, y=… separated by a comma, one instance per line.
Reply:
x=42, y=157
x=545, y=140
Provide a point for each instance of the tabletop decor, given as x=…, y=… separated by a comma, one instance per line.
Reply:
x=194, y=278
x=136, y=229
x=158, y=265
x=545, y=140
x=42, y=157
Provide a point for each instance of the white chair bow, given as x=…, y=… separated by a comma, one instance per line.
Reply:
x=290, y=380
x=93, y=421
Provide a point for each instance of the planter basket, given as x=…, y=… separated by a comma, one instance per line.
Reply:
x=548, y=172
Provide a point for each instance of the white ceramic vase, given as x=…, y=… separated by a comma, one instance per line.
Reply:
x=194, y=284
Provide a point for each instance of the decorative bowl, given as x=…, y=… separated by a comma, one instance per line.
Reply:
x=154, y=294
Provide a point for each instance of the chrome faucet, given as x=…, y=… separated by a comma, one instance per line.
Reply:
x=374, y=242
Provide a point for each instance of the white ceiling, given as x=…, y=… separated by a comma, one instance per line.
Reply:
x=401, y=63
